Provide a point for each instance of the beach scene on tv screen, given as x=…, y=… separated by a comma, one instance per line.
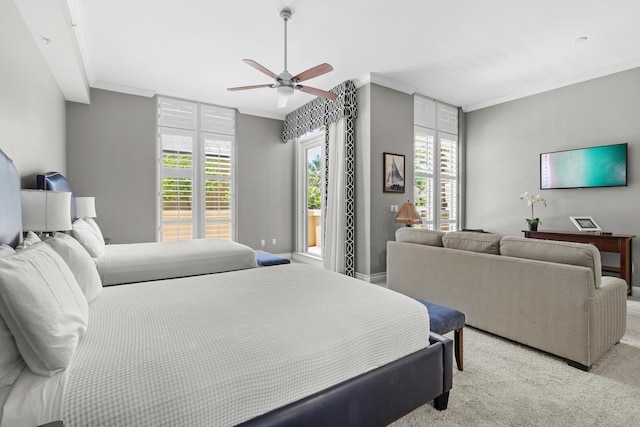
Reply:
x=604, y=166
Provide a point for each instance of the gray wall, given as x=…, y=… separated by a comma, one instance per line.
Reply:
x=504, y=143
x=32, y=110
x=385, y=125
x=111, y=152
x=265, y=184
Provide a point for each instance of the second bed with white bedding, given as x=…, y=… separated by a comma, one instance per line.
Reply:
x=138, y=262
x=256, y=340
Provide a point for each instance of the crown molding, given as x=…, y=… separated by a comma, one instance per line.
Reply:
x=384, y=81
x=580, y=78
x=113, y=87
x=260, y=113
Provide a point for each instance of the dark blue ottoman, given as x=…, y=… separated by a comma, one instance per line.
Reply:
x=265, y=259
x=444, y=320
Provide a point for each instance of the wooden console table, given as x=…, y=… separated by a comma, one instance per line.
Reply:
x=617, y=243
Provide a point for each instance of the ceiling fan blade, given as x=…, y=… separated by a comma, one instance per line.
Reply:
x=248, y=87
x=282, y=101
x=316, y=71
x=259, y=67
x=318, y=92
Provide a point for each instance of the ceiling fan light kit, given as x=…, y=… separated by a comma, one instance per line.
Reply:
x=286, y=84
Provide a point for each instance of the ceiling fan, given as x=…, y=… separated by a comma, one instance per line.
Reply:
x=285, y=84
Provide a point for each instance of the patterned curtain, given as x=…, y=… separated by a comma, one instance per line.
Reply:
x=312, y=116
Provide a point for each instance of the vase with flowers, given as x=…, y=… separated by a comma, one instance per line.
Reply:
x=531, y=200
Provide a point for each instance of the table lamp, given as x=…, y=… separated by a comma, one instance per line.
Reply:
x=86, y=207
x=408, y=214
x=45, y=211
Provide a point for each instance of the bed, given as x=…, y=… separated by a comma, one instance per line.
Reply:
x=279, y=346
x=138, y=262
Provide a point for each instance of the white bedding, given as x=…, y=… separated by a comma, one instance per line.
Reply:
x=139, y=262
x=221, y=349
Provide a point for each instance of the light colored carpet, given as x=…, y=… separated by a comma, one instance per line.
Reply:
x=508, y=384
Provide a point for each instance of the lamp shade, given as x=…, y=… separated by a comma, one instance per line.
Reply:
x=86, y=206
x=408, y=214
x=45, y=210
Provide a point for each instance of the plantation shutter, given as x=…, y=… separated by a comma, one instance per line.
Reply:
x=196, y=175
x=436, y=163
x=177, y=133
x=424, y=166
x=448, y=182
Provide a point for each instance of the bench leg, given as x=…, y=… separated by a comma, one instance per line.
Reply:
x=458, y=348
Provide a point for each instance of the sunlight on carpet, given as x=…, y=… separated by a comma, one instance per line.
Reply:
x=508, y=384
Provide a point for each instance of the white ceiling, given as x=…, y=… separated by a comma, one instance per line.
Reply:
x=468, y=53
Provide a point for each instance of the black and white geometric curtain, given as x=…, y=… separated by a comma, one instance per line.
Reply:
x=314, y=115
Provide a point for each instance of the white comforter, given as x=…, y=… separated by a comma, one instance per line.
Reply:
x=221, y=349
x=139, y=262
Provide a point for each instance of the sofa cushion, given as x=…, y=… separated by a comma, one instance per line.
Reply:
x=487, y=243
x=582, y=254
x=421, y=236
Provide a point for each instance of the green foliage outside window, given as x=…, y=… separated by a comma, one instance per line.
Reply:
x=314, y=175
x=178, y=191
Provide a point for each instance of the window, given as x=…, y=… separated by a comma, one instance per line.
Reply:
x=436, y=164
x=196, y=146
x=310, y=194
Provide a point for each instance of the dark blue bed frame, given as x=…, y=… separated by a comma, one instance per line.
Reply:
x=375, y=398
x=10, y=212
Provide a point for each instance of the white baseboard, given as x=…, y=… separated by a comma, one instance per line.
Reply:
x=306, y=259
x=376, y=278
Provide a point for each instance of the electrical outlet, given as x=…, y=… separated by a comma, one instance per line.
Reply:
x=262, y=243
x=273, y=242
x=391, y=208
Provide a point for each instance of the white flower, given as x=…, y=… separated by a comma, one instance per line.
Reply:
x=531, y=200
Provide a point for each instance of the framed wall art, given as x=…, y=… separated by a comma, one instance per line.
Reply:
x=393, y=173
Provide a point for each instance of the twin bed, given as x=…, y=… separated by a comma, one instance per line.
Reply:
x=275, y=346
x=139, y=262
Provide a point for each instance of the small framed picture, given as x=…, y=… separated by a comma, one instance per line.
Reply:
x=585, y=223
x=393, y=173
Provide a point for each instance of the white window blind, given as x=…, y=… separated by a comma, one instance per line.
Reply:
x=196, y=158
x=436, y=163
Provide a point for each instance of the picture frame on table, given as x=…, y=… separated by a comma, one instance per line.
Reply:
x=585, y=223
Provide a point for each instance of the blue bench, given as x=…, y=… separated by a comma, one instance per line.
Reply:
x=443, y=320
x=265, y=259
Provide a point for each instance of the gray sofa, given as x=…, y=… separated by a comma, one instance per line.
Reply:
x=546, y=294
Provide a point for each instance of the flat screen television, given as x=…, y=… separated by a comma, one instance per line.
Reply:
x=602, y=166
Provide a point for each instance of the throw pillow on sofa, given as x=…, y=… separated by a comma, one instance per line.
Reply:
x=582, y=254
x=487, y=243
x=421, y=236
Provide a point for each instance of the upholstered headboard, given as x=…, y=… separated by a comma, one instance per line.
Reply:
x=54, y=181
x=10, y=213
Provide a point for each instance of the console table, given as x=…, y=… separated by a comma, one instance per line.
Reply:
x=617, y=243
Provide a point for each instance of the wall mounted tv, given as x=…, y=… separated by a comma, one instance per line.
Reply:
x=602, y=166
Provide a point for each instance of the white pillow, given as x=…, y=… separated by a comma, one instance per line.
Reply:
x=11, y=363
x=6, y=250
x=80, y=263
x=43, y=307
x=86, y=234
x=29, y=240
x=95, y=227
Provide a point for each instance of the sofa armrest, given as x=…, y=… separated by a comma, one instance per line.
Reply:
x=608, y=315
